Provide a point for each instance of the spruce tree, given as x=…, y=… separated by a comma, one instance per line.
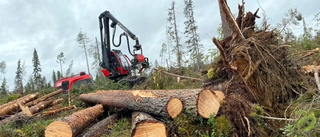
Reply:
x=3, y=87
x=58, y=75
x=173, y=34
x=2, y=67
x=68, y=72
x=36, y=70
x=18, y=79
x=193, y=38
x=54, y=77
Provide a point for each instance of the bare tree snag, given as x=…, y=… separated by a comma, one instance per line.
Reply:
x=34, y=109
x=51, y=112
x=144, y=125
x=137, y=101
x=32, y=103
x=11, y=107
x=102, y=126
x=228, y=20
x=193, y=100
x=72, y=125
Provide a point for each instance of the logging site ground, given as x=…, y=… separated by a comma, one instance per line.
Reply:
x=253, y=78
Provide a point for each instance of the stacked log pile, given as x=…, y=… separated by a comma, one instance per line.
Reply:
x=10, y=112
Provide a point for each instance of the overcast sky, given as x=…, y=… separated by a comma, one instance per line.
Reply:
x=51, y=26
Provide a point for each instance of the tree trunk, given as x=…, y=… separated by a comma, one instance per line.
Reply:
x=13, y=106
x=144, y=125
x=195, y=101
x=32, y=103
x=35, y=109
x=51, y=112
x=102, y=126
x=229, y=25
x=137, y=101
x=72, y=125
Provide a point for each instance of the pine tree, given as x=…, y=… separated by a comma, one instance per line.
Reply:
x=36, y=70
x=83, y=40
x=3, y=87
x=2, y=67
x=68, y=72
x=61, y=59
x=172, y=34
x=18, y=79
x=54, y=77
x=193, y=38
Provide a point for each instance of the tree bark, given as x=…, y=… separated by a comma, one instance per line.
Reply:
x=32, y=103
x=137, y=101
x=229, y=25
x=102, y=126
x=34, y=109
x=144, y=125
x=72, y=125
x=13, y=106
x=195, y=101
x=51, y=112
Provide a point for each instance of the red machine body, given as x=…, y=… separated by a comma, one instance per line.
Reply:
x=66, y=83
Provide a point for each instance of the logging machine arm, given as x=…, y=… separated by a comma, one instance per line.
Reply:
x=107, y=62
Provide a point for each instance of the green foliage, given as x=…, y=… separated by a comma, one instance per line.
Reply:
x=122, y=128
x=36, y=70
x=2, y=67
x=18, y=79
x=3, y=87
x=7, y=98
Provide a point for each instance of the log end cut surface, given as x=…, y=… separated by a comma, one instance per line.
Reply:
x=150, y=129
x=58, y=129
x=207, y=104
x=174, y=107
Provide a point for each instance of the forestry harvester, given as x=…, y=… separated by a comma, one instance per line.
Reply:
x=66, y=83
x=116, y=65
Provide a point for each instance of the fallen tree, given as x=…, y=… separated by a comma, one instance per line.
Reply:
x=102, y=126
x=72, y=125
x=11, y=107
x=195, y=101
x=54, y=111
x=144, y=125
x=257, y=70
x=34, y=109
x=138, y=101
x=32, y=103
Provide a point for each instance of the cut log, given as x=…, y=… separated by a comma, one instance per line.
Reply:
x=51, y=112
x=32, y=103
x=195, y=101
x=144, y=125
x=137, y=101
x=34, y=109
x=102, y=126
x=13, y=106
x=72, y=125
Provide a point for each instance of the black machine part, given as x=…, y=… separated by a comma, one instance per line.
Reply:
x=105, y=25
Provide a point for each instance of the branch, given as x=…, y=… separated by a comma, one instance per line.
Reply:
x=276, y=118
x=316, y=76
x=223, y=54
x=179, y=76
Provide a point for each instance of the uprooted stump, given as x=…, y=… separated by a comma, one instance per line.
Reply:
x=257, y=69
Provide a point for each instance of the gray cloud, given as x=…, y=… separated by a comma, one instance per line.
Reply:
x=51, y=26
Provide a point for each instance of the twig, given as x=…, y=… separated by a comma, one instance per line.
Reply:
x=316, y=76
x=248, y=123
x=175, y=75
x=276, y=118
